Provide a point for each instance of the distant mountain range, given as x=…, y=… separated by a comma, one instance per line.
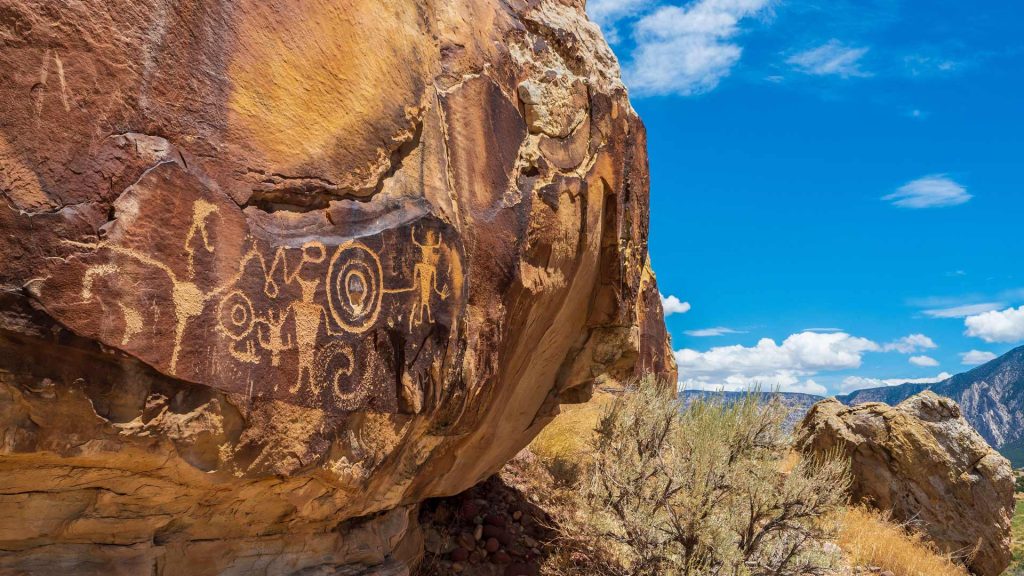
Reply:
x=990, y=396
x=797, y=403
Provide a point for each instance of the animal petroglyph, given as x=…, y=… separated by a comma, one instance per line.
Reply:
x=132, y=318
x=188, y=299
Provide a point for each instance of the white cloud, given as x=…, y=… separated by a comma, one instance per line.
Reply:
x=975, y=357
x=607, y=12
x=787, y=366
x=806, y=351
x=920, y=65
x=923, y=361
x=712, y=332
x=911, y=344
x=933, y=191
x=963, y=311
x=831, y=58
x=672, y=305
x=852, y=383
x=783, y=381
x=997, y=326
x=688, y=50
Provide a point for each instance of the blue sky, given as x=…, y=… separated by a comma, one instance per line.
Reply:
x=837, y=188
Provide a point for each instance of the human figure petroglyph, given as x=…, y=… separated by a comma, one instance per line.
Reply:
x=424, y=278
x=270, y=335
x=309, y=316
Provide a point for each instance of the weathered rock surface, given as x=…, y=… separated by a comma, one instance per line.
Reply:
x=923, y=461
x=273, y=272
x=991, y=397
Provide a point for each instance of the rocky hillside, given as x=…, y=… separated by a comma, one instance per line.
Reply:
x=273, y=273
x=991, y=397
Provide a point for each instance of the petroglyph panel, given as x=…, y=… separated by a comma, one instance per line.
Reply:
x=335, y=322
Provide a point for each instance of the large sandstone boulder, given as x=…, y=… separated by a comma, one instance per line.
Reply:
x=274, y=271
x=923, y=462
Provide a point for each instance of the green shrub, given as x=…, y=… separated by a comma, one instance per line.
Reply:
x=700, y=491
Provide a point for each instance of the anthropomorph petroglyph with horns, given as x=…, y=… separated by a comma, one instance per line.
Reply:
x=424, y=278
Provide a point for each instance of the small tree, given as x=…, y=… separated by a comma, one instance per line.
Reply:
x=701, y=490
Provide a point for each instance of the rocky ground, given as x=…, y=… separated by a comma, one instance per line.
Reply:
x=491, y=529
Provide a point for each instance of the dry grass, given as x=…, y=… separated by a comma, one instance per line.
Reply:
x=789, y=462
x=569, y=434
x=869, y=539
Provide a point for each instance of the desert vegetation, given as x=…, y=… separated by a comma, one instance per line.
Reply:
x=1017, y=568
x=636, y=483
x=871, y=538
x=700, y=490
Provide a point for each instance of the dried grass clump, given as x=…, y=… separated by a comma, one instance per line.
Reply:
x=870, y=538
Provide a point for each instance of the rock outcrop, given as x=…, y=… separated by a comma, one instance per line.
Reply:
x=273, y=272
x=923, y=462
x=990, y=396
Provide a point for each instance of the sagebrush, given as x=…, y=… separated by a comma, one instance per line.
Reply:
x=699, y=491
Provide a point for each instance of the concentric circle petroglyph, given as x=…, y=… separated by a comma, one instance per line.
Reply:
x=235, y=315
x=355, y=286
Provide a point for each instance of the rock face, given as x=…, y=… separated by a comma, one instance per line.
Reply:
x=925, y=463
x=273, y=272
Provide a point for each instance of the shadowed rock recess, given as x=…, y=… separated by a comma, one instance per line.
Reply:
x=273, y=272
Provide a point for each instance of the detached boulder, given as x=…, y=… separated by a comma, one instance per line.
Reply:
x=925, y=463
